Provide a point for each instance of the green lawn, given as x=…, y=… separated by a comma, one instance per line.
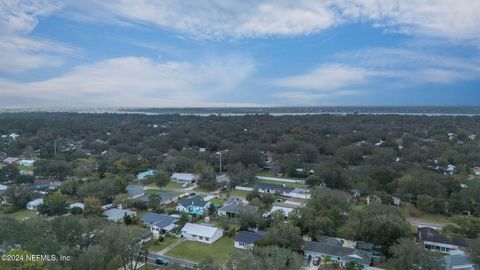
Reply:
x=219, y=251
x=239, y=193
x=150, y=191
x=25, y=168
x=172, y=185
x=22, y=214
x=157, y=246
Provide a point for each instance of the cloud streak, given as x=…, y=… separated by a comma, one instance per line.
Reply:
x=132, y=82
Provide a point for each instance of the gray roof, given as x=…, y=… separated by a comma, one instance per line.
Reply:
x=273, y=187
x=454, y=261
x=248, y=237
x=135, y=190
x=164, y=196
x=195, y=200
x=432, y=235
x=237, y=207
x=158, y=220
x=347, y=254
x=116, y=214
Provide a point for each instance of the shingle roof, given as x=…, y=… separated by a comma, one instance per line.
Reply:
x=135, y=190
x=237, y=207
x=200, y=230
x=184, y=176
x=348, y=254
x=454, y=261
x=116, y=214
x=158, y=220
x=432, y=235
x=248, y=237
x=195, y=201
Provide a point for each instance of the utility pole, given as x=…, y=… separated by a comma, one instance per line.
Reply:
x=54, y=147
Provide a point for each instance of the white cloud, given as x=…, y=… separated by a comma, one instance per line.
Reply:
x=132, y=81
x=18, y=52
x=327, y=77
x=451, y=19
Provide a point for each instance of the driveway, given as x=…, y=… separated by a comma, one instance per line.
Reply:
x=425, y=223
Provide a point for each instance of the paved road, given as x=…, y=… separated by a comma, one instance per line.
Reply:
x=425, y=223
x=152, y=256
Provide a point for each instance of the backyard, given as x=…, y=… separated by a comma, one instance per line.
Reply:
x=219, y=251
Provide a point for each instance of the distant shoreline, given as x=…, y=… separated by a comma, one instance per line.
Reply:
x=273, y=111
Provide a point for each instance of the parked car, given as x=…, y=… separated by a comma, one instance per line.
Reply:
x=316, y=261
x=161, y=261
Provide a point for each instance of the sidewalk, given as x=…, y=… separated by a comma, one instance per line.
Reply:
x=170, y=247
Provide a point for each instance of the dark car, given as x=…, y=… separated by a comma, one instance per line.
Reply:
x=161, y=261
x=316, y=261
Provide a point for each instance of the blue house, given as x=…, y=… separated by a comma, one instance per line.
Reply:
x=146, y=174
x=195, y=205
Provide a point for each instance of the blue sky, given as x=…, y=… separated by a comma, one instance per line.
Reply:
x=239, y=53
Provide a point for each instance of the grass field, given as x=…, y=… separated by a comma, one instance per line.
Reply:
x=173, y=185
x=25, y=168
x=239, y=193
x=219, y=251
x=22, y=214
x=161, y=245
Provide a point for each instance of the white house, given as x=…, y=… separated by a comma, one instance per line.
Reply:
x=3, y=188
x=11, y=160
x=26, y=162
x=184, y=178
x=32, y=205
x=117, y=215
x=78, y=205
x=201, y=233
x=284, y=208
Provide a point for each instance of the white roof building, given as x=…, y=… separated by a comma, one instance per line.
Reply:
x=79, y=205
x=26, y=162
x=32, y=205
x=3, y=187
x=201, y=233
x=115, y=214
x=184, y=178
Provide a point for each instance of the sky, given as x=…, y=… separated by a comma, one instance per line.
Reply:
x=220, y=53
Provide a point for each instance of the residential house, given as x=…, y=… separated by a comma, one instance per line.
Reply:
x=11, y=160
x=184, y=178
x=235, y=208
x=431, y=239
x=282, y=190
x=146, y=174
x=26, y=162
x=117, y=215
x=476, y=170
x=3, y=188
x=159, y=223
x=46, y=184
x=247, y=239
x=195, y=205
x=223, y=179
x=201, y=233
x=336, y=252
x=33, y=205
x=284, y=207
x=166, y=197
x=76, y=205
x=135, y=191
x=458, y=260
